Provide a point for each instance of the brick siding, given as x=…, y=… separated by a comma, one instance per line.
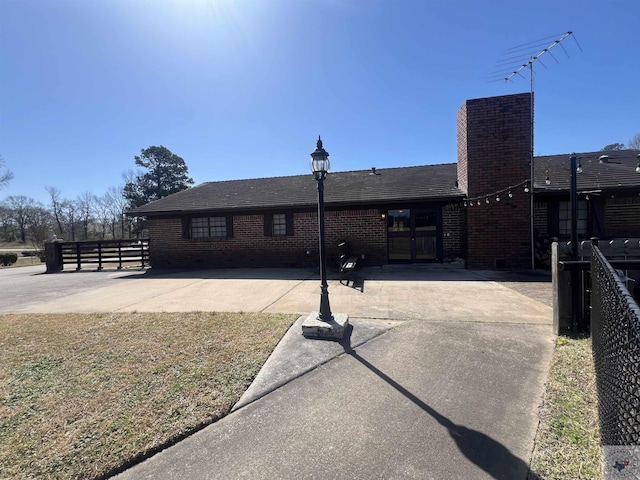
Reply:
x=365, y=231
x=622, y=217
x=453, y=231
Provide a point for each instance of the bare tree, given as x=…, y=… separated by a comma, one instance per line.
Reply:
x=69, y=210
x=634, y=143
x=85, y=205
x=39, y=227
x=20, y=208
x=6, y=176
x=117, y=203
x=8, y=230
x=56, y=208
x=103, y=215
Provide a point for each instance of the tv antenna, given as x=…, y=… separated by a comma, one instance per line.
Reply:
x=525, y=55
x=517, y=59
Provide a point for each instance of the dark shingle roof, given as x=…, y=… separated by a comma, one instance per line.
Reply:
x=617, y=172
x=355, y=187
x=428, y=182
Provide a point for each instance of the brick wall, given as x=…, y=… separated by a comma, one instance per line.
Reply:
x=622, y=217
x=494, y=152
x=453, y=231
x=249, y=247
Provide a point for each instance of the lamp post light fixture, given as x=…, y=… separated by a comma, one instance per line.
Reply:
x=323, y=324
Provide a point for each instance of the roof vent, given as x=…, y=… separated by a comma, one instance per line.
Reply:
x=604, y=159
x=373, y=171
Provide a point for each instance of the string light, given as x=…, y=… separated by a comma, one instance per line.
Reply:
x=470, y=202
x=528, y=184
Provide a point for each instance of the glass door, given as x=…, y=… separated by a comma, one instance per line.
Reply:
x=413, y=235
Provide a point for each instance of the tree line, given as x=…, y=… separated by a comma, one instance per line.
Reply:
x=634, y=144
x=92, y=217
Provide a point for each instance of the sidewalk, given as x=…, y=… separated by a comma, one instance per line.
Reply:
x=443, y=383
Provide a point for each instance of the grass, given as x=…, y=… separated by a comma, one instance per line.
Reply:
x=568, y=441
x=82, y=395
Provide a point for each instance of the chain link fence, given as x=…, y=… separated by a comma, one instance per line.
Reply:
x=615, y=332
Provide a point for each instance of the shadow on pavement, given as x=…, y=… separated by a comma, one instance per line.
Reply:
x=229, y=274
x=482, y=450
x=393, y=272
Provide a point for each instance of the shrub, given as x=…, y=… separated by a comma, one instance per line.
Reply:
x=7, y=259
x=29, y=253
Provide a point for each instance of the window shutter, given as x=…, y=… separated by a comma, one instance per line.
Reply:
x=229, y=226
x=186, y=227
x=553, y=218
x=268, y=225
x=289, y=221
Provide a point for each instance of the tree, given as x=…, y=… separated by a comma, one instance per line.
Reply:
x=634, y=143
x=613, y=146
x=20, y=208
x=114, y=199
x=31, y=219
x=40, y=227
x=56, y=208
x=166, y=173
x=5, y=176
x=86, y=205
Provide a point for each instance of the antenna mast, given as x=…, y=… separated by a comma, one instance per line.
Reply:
x=521, y=57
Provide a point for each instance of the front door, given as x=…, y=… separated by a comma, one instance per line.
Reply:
x=413, y=235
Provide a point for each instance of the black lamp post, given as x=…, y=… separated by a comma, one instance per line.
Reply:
x=575, y=275
x=323, y=324
x=320, y=166
x=573, y=202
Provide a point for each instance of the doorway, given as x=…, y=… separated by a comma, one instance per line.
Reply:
x=414, y=235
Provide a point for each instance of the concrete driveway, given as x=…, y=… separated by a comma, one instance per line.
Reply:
x=407, y=292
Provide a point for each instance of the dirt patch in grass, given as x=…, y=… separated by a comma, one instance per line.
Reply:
x=568, y=441
x=84, y=394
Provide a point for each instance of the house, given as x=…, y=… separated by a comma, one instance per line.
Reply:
x=476, y=209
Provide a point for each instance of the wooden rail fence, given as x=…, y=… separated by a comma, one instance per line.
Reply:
x=96, y=252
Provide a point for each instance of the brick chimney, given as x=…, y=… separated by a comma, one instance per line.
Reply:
x=494, y=153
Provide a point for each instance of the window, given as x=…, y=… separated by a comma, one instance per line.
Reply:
x=278, y=224
x=203, y=227
x=564, y=217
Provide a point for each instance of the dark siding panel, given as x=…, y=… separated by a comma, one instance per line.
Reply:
x=186, y=230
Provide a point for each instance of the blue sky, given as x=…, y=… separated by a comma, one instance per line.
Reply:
x=242, y=88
